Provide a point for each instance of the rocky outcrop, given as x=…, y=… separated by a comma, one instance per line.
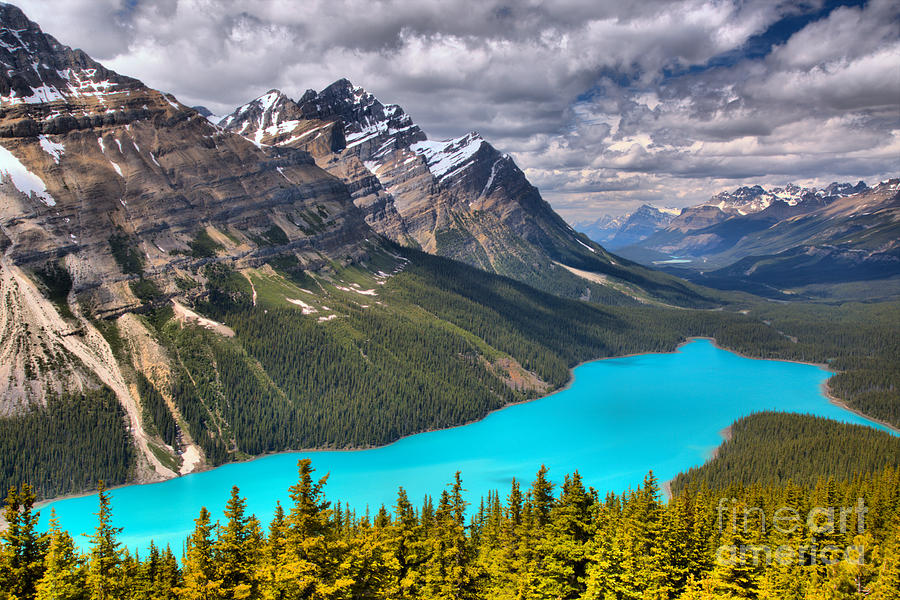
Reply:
x=111, y=155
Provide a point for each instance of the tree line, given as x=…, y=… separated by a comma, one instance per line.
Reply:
x=541, y=541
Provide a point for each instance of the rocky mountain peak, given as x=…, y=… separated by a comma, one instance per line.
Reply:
x=271, y=115
x=340, y=98
x=617, y=231
x=370, y=127
x=445, y=158
x=649, y=211
x=752, y=199
x=37, y=69
x=845, y=189
x=458, y=197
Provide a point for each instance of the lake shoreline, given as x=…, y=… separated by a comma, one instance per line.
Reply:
x=569, y=383
x=842, y=404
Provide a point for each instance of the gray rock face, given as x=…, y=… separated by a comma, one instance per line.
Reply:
x=107, y=154
x=60, y=73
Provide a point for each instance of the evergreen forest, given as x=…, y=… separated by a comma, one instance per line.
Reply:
x=829, y=539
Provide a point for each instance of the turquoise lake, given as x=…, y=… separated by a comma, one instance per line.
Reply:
x=618, y=419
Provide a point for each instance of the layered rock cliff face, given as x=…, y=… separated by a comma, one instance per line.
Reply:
x=459, y=198
x=88, y=154
x=108, y=189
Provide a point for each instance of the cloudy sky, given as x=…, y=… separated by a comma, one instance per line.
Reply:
x=606, y=104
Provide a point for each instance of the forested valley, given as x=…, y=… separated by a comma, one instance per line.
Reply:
x=426, y=353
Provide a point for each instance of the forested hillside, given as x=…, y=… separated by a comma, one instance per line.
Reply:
x=772, y=448
x=68, y=445
x=426, y=352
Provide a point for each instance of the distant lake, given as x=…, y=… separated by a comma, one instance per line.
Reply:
x=619, y=418
x=672, y=261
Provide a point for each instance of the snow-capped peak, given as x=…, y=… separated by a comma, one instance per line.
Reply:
x=371, y=129
x=272, y=116
x=257, y=110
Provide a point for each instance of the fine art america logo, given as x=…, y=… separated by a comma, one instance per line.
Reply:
x=821, y=528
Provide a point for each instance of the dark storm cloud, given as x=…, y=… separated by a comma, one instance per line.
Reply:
x=600, y=101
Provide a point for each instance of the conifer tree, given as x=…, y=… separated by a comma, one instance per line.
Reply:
x=168, y=576
x=309, y=555
x=369, y=567
x=64, y=576
x=887, y=582
x=542, y=497
x=407, y=546
x=736, y=571
x=104, y=579
x=450, y=571
x=274, y=556
x=201, y=581
x=237, y=550
x=611, y=556
x=566, y=546
x=23, y=549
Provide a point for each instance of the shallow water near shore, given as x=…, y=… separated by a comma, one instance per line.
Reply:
x=617, y=420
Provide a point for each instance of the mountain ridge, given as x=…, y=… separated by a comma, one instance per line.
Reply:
x=623, y=230
x=227, y=297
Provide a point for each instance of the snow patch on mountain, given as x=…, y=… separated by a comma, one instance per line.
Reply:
x=372, y=166
x=259, y=117
x=40, y=94
x=585, y=245
x=54, y=149
x=445, y=158
x=370, y=127
x=115, y=167
x=25, y=181
x=490, y=181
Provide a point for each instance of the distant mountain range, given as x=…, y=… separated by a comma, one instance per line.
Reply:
x=781, y=239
